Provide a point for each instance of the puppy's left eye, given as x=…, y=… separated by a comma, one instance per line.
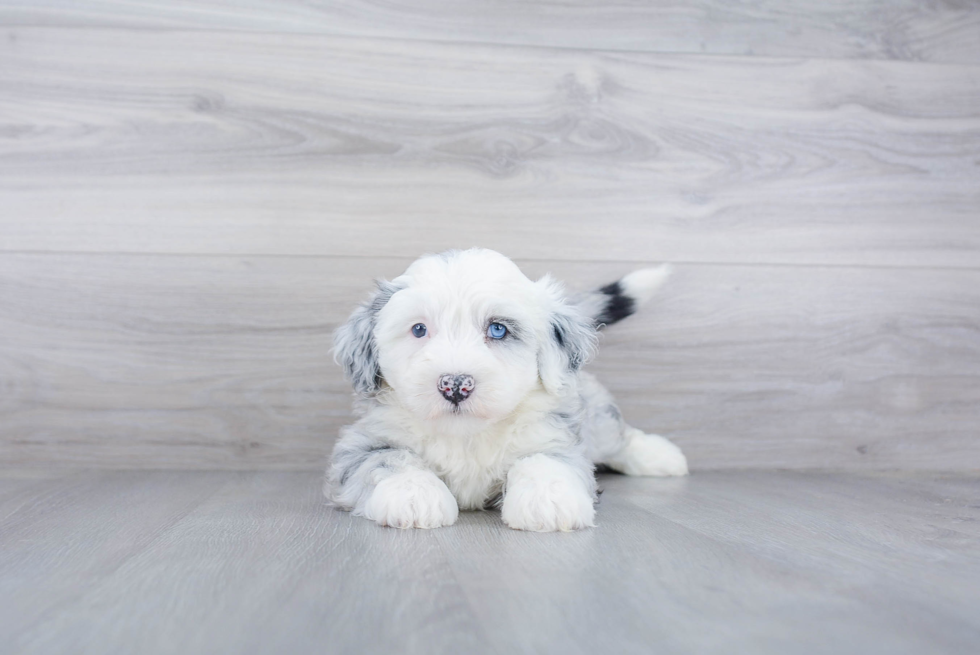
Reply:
x=419, y=330
x=496, y=331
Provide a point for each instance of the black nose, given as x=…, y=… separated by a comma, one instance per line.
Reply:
x=456, y=388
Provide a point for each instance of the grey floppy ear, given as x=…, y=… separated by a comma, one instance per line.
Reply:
x=571, y=340
x=354, y=346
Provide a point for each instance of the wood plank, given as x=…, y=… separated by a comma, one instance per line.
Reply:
x=20, y=488
x=677, y=588
x=265, y=566
x=249, y=143
x=854, y=368
x=83, y=526
x=222, y=362
x=883, y=29
x=747, y=561
x=783, y=517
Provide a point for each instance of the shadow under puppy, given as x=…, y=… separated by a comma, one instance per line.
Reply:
x=470, y=395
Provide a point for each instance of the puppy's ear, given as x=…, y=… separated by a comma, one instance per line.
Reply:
x=354, y=346
x=570, y=342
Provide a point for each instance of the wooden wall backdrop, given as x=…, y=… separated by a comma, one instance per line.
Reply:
x=194, y=194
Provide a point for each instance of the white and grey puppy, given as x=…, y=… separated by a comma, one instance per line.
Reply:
x=471, y=395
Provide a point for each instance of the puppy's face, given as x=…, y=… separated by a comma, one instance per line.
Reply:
x=461, y=338
x=464, y=337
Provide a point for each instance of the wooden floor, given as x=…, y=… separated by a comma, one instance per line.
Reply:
x=724, y=562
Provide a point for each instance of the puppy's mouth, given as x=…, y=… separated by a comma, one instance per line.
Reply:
x=468, y=409
x=457, y=409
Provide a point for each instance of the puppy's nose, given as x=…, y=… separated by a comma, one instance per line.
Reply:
x=456, y=388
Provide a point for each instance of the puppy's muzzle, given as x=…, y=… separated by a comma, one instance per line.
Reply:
x=456, y=388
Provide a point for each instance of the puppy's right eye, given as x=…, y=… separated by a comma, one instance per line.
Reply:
x=419, y=330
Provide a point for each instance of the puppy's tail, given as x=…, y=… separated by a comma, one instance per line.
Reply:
x=616, y=301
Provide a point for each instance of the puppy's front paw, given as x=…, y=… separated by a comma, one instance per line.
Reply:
x=412, y=499
x=545, y=495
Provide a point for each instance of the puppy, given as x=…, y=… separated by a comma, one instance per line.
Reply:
x=471, y=395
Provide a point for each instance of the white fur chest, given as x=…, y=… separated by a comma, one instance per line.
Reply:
x=473, y=460
x=472, y=467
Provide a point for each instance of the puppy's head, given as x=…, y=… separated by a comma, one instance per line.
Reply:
x=464, y=335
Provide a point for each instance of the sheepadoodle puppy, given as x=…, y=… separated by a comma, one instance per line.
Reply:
x=471, y=395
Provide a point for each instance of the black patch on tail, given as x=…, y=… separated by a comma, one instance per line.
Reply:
x=618, y=305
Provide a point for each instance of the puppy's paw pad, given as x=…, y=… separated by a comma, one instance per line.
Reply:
x=650, y=454
x=546, y=496
x=412, y=499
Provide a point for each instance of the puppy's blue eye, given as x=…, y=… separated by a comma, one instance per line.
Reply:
x=419, y=330
x=496, y=331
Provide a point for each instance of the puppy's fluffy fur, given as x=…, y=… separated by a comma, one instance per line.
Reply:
x=528, y=426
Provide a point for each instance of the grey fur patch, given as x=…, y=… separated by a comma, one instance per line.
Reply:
x=570, y=422
x=614, y=412
x=352, y=451
x=351, y=460
x=358, y=462
x=348, y=466
x=495, y=501
x=354, y=344
x=575, y=337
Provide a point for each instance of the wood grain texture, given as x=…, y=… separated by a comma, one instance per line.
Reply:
x=945, y=31
x=250, y=143
x=749, y=561
x=83, y=526
x=264, y=566
x=222, y=362
x=185, y=215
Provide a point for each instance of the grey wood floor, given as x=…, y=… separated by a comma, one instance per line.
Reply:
x=255, y=562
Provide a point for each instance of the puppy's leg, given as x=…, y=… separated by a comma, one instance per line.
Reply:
x=545, y=493
x=391, y=486
x=647, y=454
x=610, y=441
